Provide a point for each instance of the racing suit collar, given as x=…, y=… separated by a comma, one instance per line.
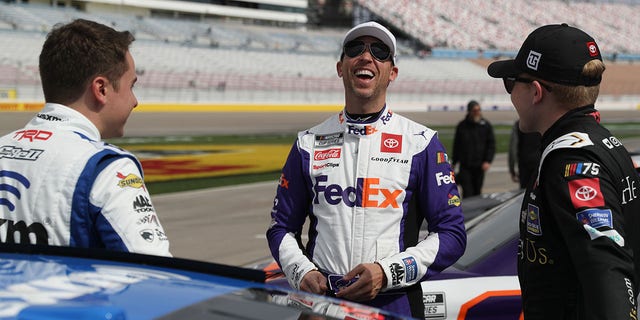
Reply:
x=364, y=118
x=61, y=115
x=553, y=132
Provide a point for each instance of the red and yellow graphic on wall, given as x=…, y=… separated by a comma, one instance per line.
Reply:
x=175, y=162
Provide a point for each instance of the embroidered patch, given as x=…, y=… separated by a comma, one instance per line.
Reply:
x=596, y=218
x=586, y=193
x=410, y=268
x=533, y=220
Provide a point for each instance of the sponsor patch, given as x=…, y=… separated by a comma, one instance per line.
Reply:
x=593, y=49
x=32, y=134
x=147, y=234
x=442, y=157
x=410, y=268
x=283, y=182
x=581, y=168
x=367, y=194
x=586, y=193
x=11, y=152
x=361, y=130
x=454, y=200
x=434, y=305
x=596, y=218
x=333, y=153
x=533, y=220
x=533, y=59
x=131, y=181
x=331, y=139
x=328, y=165
x=397, y=274
x=391, y=143
x=442, y=178
x=142, y=204
x=630, y=190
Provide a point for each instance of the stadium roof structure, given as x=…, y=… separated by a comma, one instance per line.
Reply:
x=289, y=14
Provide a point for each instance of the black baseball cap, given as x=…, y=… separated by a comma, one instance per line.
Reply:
x=556, y=53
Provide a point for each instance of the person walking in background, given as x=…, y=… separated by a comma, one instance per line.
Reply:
x=474, y=146
x=579, y=248
x=63, y=185
x=367, y=178
x=524, y=151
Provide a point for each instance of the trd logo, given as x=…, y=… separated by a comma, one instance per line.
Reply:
x=33, y=135
x=363, y=196
x=4, y=187
x=9, y=229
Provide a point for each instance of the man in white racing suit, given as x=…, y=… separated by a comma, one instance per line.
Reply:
x=367, y=179
x=59, y=183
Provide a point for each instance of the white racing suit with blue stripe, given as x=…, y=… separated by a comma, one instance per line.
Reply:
x=60, y=185
x=367, y=187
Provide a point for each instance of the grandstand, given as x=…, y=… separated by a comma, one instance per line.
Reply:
x=444, y=49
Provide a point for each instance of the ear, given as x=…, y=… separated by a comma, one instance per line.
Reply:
x=394, y=73
x=339, y=68
x=538, y=95
x=99, y=87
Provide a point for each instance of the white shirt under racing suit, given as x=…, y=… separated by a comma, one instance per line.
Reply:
x=60, y=185
x=367, y=188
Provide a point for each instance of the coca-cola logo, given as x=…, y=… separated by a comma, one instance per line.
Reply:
x=327, y=154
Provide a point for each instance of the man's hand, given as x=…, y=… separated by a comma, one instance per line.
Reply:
x=485, y=166
x=372, y=280
x=315, y=282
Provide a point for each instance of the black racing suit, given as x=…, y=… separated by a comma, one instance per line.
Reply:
x=578, y=252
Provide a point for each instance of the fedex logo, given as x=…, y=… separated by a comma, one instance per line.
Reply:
x=362, y=131
x=33, y=134
x=442, y=179
x=367, y=194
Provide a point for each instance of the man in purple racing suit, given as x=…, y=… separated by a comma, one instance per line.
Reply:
x=367, y=179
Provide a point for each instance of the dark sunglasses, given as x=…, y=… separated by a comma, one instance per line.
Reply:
x=378, y=50
x=509, y=83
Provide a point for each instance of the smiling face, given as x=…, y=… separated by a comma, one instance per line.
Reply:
x=365, y=79
x=120, y=102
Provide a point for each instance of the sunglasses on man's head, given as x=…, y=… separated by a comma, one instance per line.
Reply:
x=378, y=50
x=509, y=83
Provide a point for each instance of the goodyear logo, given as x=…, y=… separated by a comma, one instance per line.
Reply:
x=131, y=180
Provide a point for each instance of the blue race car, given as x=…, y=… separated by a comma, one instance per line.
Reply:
x=41, y=282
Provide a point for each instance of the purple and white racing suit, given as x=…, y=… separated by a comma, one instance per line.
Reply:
x=367, y=187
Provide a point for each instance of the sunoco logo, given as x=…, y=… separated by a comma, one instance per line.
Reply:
x=131, y=180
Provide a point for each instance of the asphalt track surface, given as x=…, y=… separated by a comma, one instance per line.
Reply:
x=227, y=225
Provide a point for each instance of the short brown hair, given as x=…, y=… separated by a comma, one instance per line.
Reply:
x=76, y=52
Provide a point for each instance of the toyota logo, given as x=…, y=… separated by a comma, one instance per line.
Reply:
x=391, y=143
x=586, y=193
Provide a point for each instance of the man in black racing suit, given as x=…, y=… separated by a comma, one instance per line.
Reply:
x=579, y=249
